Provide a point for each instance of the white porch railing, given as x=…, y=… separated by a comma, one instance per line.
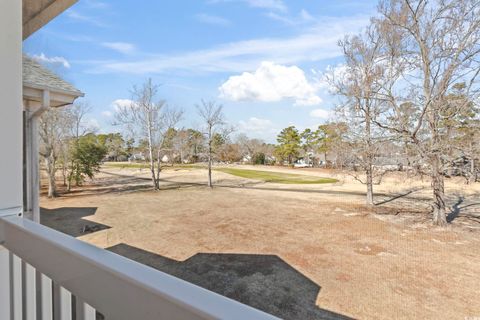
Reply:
x=42, y=271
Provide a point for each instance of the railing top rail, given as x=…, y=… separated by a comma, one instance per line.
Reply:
x=118, y=287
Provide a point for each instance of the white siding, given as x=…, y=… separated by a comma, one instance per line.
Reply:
x=10, y=103
x=10, y=125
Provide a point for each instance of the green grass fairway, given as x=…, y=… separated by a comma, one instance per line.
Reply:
x=142, y=165
x=133, y=165
x=276, y=177
x=267, y=176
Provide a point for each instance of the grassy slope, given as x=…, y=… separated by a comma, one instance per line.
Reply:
x=142, y=165
x=267, y=176
x=276, y=177
x=133, y=165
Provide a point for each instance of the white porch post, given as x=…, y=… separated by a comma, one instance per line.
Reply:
x=33, y=112
x=10, y=129
x=34, y=168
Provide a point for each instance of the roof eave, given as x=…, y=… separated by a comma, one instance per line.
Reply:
x=58, y=98
x=76, y=94
x=37, y=13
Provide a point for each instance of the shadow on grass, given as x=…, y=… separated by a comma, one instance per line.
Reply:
x=70, y=220
x=465, y=209
x=265, y=282
x=128, y=183
x=390, y=198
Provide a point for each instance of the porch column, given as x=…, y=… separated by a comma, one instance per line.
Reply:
x=33, y=112
x=10, y=129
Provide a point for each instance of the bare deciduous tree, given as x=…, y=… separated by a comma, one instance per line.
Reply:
x=180, y=144
x=78, y=124
x=214, y=120
x=249, y=148
x=142, y=118
x=358, y=88
x=430, y=47
x=149, y=120
x=53, y=133
x=169, y=119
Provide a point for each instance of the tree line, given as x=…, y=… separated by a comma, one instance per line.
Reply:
x=151, y=134
x=411, y=79
x=148, y=131
x=408, y=99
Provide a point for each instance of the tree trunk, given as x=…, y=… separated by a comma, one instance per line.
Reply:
x=69, y=182
x=159, y=168
x=50, y=166
x=369, y=173
x=369, y=155
x=438, y=186
x=155, y=182
x=64, y=174
x=210, y=172
x=473, y=177
x=210, y=159
x=152, y=170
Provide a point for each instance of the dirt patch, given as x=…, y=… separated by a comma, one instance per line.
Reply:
x=369, y=249
x=296, y=252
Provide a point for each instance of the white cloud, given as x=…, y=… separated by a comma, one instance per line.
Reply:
x=92, y=124
x=268, y=4
x=332, y=75
x=52, y=60
x=121, y=103
x=65, y=35
x=95, y=4
x=315, y=44
x=281, y=18
x=321, y=113
x=213, y=20
x=271, y=82
x=303, y=17
x=107, y=114
x=255, y=125
x=116, y=106
x=263, y=4
x=311, y=100
x=122, y=47
x=74, y=15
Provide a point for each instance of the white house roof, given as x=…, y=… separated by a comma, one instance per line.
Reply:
x=37, y=78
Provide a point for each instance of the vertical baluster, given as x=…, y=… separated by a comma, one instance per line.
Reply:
x=5, y=297
x=62, y=303
x=44, y=298
x=84, y=311
x=16, y=287
x=29, y=292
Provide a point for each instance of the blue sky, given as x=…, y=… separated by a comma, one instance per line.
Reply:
x=262, y=59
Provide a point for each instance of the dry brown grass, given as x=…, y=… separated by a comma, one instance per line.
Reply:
x=300, y=252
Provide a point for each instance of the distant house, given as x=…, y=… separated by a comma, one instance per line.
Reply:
x=322, y=159
x=303, y=163
x=136, y=157
x=246, y=159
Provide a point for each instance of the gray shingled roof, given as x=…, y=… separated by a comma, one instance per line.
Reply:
x=37, y=76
